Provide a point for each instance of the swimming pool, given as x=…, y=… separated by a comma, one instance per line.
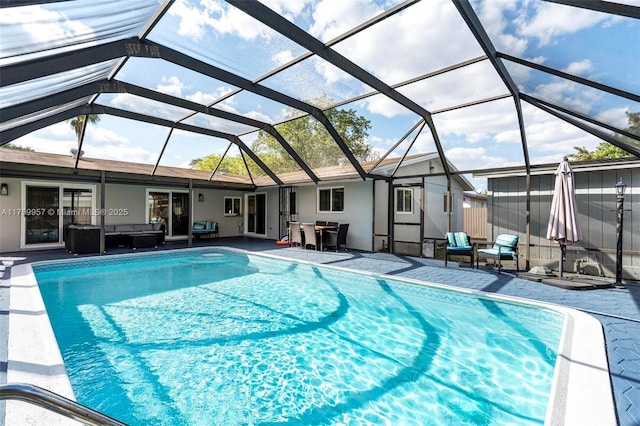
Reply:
x=195, y=337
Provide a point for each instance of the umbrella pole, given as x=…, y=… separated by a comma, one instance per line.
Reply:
x=563, y=252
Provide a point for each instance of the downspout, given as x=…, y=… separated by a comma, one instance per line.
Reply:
x=448, y=204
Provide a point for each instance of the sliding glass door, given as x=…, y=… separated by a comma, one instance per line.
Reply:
x=171, y=209
x=41, y=219
x=49, y=209
x=256, y=219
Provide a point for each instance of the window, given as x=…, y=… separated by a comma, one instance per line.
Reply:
x=450, y=203
x=404, y=200
x=232, y=206
x=331, y=200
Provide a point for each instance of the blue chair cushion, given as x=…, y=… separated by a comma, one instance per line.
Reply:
x=457, y=239
x=504, y=246
x=198, y=226
x=506, y=240
x=461, y=248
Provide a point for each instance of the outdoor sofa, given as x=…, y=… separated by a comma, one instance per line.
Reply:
x=205, y=228
x=126, y=235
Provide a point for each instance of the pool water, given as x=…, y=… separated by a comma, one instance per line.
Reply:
x=201, y=337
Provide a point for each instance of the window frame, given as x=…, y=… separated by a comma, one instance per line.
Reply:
x=451, y=203
x=233, y=211
x=332, y=190
x=400, y=194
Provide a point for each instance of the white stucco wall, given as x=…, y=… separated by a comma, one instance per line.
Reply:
x=358, y=210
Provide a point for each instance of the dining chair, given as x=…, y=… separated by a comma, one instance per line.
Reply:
x=310, y=239
x=295, y=236
x=338, y=238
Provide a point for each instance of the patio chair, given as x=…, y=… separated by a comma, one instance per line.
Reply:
x=295, y=236
x=505, y=247
x=459, y=244
x=338, y=238
x=310, y=239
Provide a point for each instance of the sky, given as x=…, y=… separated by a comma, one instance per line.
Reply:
x=426, y=37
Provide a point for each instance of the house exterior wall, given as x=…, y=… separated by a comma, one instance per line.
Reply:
x=358, y=210
x=130, y=203
x=10, y=206
x=596, y=203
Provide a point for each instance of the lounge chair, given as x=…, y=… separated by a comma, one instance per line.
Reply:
x=459, y=244
x=295, y=236
x=504, y=248
x=338, y=238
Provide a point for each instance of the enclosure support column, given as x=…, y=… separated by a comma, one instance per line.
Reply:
x=103, y=185
x=528, y=223
x=390, y=214
x=191, y=207
x=620, y=187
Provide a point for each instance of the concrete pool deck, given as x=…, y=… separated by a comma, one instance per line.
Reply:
x=617, y=309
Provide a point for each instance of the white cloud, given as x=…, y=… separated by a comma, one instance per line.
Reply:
x=99, y=143
x=579, y=68
x=418, y=40
x=615, y=116
x=470, y=158
x=551, y=20
x=34, y=29
x=492, y=14
x=171, y=86
x=332, y=18
x=281, y=58
x=223, y=18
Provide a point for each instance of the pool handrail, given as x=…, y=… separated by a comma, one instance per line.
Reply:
x=56, y=403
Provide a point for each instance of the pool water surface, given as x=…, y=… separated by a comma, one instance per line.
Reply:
x=200, y=337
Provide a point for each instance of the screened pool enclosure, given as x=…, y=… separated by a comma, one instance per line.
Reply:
x=483, y=84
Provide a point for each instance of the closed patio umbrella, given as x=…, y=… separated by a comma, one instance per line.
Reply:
x=564, y=227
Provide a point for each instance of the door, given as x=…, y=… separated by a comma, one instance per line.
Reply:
x=288, y=208
x=50, y=209
x=256, y=214
x=171, y=209
x=42, y=221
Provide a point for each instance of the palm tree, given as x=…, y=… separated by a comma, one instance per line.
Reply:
x=77, y=123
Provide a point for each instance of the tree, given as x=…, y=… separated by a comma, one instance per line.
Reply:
x=76, y=123
x=233, y=164
x=17, y=147
x=606, y=150
x=308, y=138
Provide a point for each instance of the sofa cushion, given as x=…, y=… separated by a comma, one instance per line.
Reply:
x=109, y=228
x=124, y=228
x=199, y=226
x=143, y=227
